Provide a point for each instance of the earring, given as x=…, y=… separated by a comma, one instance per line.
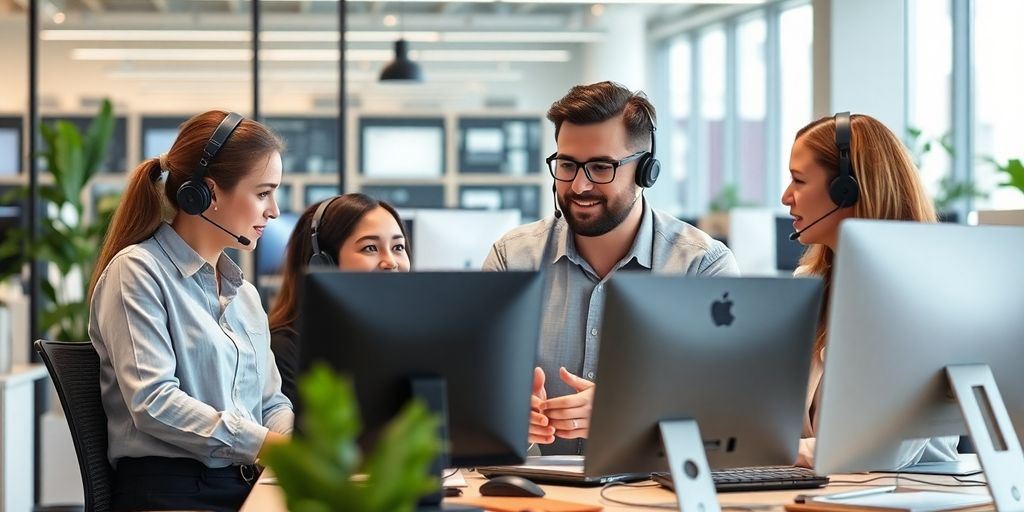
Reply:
x=214, y=208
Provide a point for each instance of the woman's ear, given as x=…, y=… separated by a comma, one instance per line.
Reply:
x=212, y=185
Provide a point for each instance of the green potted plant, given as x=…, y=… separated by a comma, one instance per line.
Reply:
x=321, y=469
x=67, y=240
x=950, y=191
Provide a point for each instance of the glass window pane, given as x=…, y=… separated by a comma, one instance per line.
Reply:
x=998, y=131
x=751, y=80
x=796, y=34
x=680, y=91
x=930, y=83
x=712, y=108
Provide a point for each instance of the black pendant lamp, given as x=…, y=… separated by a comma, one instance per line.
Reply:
x=402, y=68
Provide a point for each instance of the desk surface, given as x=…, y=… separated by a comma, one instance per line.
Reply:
x=268, y=497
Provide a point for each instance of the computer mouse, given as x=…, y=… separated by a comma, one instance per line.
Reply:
x=513, y=486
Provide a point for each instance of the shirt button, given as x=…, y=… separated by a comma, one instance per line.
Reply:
x=590, y=375
x=599, y=287
x=593, y=332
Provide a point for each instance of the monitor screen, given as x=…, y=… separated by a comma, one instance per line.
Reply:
x=10, y=218
x=909, y=299
x=457, y=239
x=787, y=252
x=159, y=133
x=271, y=250
x=10, y=146
x=731, y=353
x=401, y=148
x=475, y=332
x=500, y=145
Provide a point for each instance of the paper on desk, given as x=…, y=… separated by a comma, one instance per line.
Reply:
x=455, y=480
x=555, y=463
x=908, y=501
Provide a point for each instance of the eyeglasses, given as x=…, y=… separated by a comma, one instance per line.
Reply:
x=597, y=171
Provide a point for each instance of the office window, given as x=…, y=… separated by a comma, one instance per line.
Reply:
x=796, y=34
x=998, y=131
x=712, y=109
x=751, y=82
x=680, y=91
x=930, y=79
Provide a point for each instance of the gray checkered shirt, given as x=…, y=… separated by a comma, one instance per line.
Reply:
x=572, y=313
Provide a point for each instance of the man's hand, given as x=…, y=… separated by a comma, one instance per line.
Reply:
x=570, y=414
x=541, y=432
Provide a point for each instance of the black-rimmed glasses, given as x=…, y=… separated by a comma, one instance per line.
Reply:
x=597, y=171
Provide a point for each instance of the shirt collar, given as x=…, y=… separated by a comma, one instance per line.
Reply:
x=188, y=261
x=641, y=250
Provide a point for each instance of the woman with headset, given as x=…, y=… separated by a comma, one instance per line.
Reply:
x=842, y=167
x=353, y=232
x=188, y=382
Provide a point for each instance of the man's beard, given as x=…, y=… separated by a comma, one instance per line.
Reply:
x=607, y=218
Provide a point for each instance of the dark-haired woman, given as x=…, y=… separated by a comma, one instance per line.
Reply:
x=355, y=233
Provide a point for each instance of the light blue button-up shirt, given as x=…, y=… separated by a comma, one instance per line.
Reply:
x=185, y=370
x=571, y=322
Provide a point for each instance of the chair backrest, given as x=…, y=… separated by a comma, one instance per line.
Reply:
x=75, y=371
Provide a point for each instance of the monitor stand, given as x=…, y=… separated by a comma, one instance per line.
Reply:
x=995, y=440
x=433, y=392
x=688, y=464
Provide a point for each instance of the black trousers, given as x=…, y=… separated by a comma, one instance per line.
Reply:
x=161, y=483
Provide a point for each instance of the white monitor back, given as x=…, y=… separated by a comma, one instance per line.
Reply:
x=457, y=239
x=752, y=240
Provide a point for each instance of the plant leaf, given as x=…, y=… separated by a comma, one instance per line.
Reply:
x=97, y=140
x=1015, y=170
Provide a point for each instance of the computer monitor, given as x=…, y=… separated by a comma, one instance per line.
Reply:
x=10, y=219
x=271, y=250
x=476, y=332
x=457, y=239
x=787, y=252
x=10, y=146
x=908, y=301
x=401, y=147
x=752, y=240
x=730, y=355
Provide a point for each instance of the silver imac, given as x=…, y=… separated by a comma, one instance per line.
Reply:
x=730, y=354
x=926, y=338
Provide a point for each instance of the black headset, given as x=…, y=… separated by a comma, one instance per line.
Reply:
x=320, y=258
x=844, y=190
x=648, y=168
x=195, y=196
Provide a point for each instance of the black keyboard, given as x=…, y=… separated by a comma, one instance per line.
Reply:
x=763, y=478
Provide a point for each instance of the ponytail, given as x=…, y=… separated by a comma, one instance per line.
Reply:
x=137, y=217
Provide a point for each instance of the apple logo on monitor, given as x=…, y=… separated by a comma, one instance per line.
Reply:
x=721, y=311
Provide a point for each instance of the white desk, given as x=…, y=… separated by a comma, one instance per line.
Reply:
x=17, y=411
x=269, y=498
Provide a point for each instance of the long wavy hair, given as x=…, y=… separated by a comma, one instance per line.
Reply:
x=890, y=186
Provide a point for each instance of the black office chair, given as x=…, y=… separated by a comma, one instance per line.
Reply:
x=75, y=371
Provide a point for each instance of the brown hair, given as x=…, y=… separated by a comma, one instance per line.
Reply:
x=597, y=103
x=139, y=214
x=337, y=224
x=889, y=183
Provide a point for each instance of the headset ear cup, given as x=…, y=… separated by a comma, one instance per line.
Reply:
x=194, y=198
x=647, y=171
x=321, y=260
x=844, y=191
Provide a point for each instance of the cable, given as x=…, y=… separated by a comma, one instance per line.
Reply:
x=445, y=476
x=667, y=505
x=899, y=476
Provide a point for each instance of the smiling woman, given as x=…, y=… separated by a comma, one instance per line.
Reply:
x=187, y=378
